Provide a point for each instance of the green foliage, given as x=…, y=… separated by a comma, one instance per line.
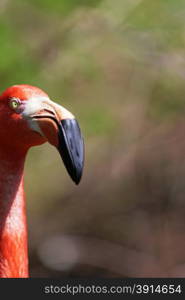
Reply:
x=167, y=98
x=162, y=19
x=97, y=121
x=63, y=6
x=16, y=66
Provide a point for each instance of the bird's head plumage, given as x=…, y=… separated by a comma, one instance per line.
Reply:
x=28, y=117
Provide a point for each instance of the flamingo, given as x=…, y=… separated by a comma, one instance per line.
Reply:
x=28, y=117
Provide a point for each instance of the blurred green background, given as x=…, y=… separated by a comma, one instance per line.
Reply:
x=119, y=66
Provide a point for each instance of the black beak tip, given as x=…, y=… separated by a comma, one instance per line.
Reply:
x=77, y=180
x=76, y=170
x=71, y=148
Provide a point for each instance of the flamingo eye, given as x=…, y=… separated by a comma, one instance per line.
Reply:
x=14, y=103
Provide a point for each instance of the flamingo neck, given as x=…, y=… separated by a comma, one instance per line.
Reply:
x=13, y=228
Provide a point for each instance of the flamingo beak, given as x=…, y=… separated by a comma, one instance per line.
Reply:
x=62, y=130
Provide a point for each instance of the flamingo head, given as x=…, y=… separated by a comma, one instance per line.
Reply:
x=28, y=118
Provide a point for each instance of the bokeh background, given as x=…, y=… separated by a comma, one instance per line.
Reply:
x=119, y=66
